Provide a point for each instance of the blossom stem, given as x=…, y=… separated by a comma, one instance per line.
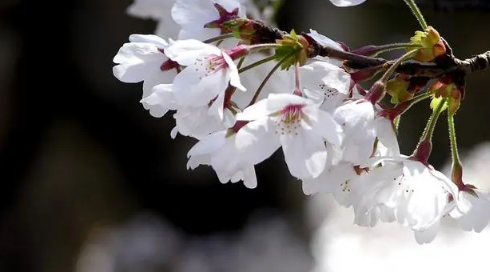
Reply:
x=424, y=147
x=263, y=46
x=417, y=13
x=420, y=97
x=378, y=89
x=457, y=168
x=374, y=50
x=240, y=62
x=431, y=124
x=452, y=138
x=399, y=109
x=272, y=71
x=255, y=64
x=219, y=38
x=297, y=80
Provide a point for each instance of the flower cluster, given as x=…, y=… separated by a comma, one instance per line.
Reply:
x=244, y=90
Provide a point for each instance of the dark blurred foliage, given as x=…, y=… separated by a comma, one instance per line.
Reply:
x=77, y=149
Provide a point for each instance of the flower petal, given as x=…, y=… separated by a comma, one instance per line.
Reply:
x=151, y=39
x=428, y=235
x=208, y=144
x=257, y=140
x=347, y=3
x=386, y=135
x=305, y=154
x=324, y=125
x=255, y=111
x=186, y=52
x=160, y=100
x=234, y=77
x=136, y=60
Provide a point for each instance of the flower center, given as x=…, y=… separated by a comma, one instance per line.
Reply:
x=405, y=187
x=345, y=186
x=210, y=64
x=328, y=92
x=290, y=120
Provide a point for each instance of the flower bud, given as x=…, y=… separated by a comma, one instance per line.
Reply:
x=377, y=92
x=366, y=74
x=293, y=47
x=398, y=89
x=454, y=100
x=224, y=17
x=422, y=152
x=450, y=91
x=432, y=46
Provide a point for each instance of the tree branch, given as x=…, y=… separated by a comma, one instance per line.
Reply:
x=444, y=65
x=477, y=63
x=449, y=64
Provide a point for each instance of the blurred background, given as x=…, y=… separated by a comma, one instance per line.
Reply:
x=90, y=182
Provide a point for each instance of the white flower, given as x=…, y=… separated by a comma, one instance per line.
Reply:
x=158, y=10
x=357, y=120
x=296, y=124
x=193, y=15
x=160, y=100
x=341, y=180
x=347, y=3
x=325, y=83
x=208, y=72
x=143, y=59
x=420, y=196
x=472, y=210
x=387, y=144
x=322, y=82
x=361, y=126
x=364, y=188
x=371, y=199
x=198, y=122
x=219, y=150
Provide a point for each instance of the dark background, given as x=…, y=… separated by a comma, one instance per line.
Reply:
x=77, y=149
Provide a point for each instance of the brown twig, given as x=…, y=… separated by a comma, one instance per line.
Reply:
x=443, y=65
x=477, y=63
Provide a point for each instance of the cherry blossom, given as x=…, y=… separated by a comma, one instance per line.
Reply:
x=208, y=72
x=420, y=196
x=219, y=150
x=362, y=126
x=472, y=210
x=295, y=123
x=325, y=83
x=244, y=89
x=160, y=100
x=143, y=59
